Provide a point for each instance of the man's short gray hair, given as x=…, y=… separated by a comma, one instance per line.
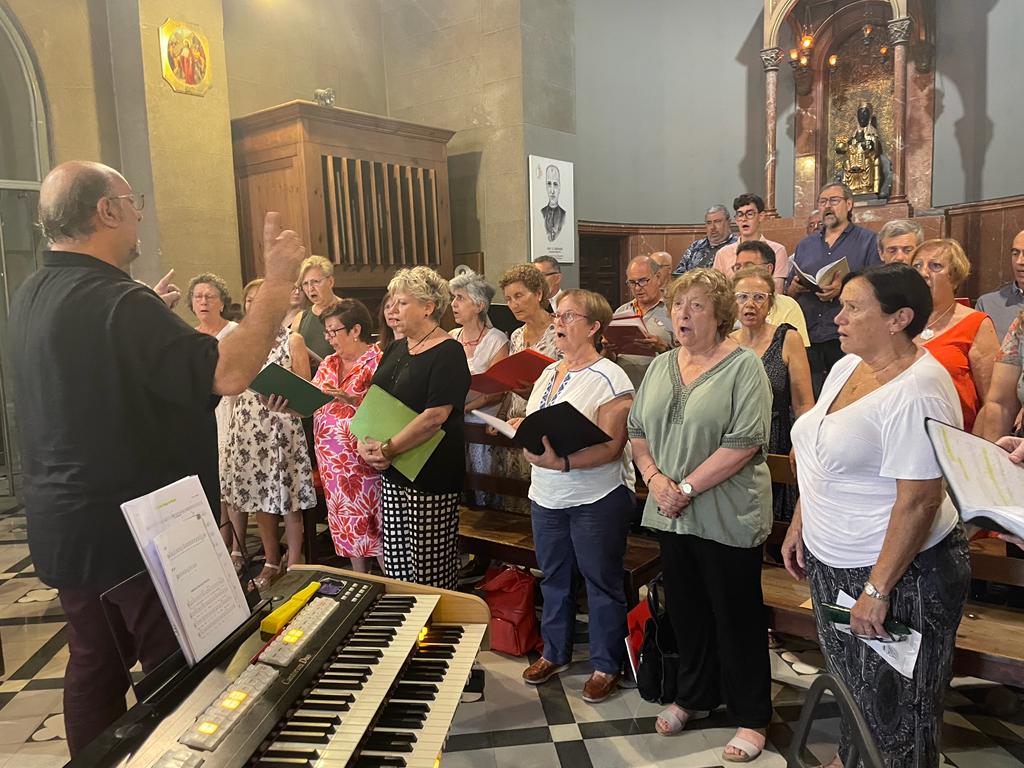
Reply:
x=67, y=213
x=715, y=209
x=646, y=259
x=551, y=261
x=898, y=228
x=479, y=290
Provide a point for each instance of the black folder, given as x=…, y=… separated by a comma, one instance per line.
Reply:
x=502, y=318
x=566, y=428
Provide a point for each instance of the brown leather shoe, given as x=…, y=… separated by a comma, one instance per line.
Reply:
x=599, y=687
x=542, y=670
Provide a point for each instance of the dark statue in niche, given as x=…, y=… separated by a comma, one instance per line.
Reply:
x=860, y=162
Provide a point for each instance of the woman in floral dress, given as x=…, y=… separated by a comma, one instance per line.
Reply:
x=351, y=486
x=265, y=468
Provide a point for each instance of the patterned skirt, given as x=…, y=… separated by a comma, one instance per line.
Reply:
x=421, y=535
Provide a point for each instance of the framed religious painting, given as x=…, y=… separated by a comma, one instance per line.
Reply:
x=552, y=210
x=185, y=53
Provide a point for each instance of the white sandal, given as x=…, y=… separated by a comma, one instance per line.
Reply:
x=749, y=751
x=268, y=575
x=676, y=724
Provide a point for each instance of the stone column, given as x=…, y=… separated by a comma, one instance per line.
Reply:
x=899, y=36
x=771, y=58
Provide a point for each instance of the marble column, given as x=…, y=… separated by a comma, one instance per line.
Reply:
x=899, y=36
x=771, y=58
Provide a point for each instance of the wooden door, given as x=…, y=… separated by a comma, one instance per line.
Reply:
x=601, y=266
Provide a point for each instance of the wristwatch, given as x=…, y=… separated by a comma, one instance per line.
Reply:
x=870, y=591
x=686, y=488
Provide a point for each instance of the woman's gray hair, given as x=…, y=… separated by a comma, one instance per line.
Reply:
x=479, y=290
x=210, y=279
x=423, y=284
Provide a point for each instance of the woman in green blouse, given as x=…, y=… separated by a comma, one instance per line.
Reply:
x=698, y=428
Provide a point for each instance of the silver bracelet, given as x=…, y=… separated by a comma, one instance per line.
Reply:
x=870, y=591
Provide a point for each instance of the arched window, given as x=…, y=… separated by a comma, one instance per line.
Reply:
x=23, y=155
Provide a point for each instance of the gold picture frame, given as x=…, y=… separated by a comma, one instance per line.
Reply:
x=185, y=57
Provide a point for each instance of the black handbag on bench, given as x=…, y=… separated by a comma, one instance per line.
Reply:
x=657, y=673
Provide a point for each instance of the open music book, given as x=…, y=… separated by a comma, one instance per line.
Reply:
x=517, y=371
x=839, y=268
x=565, y=427
x=303, y=398
x=627, y=334
x=984, y=484
x=192, y=573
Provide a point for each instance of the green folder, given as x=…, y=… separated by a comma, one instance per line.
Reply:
x=302, y=397
x=382, y=416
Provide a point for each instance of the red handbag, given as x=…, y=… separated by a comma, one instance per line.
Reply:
x=509, y=592
x=636, y=621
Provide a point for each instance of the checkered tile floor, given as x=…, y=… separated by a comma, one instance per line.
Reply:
x=514, y=725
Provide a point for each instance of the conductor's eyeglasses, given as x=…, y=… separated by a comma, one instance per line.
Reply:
x=138, y=200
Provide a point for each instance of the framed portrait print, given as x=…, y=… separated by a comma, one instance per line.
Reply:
x=552, y=212
x=185, y=53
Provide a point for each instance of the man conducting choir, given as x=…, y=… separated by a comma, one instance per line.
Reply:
x=115, y=396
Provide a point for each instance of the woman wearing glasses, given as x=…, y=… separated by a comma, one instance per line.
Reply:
x=316, y=278
x=351, y=486
x=581, y=503
x=962, y=339
x=785, y=361
x=874, y=520
x=699, y=429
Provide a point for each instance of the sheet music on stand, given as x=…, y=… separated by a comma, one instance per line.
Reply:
x=192, y=572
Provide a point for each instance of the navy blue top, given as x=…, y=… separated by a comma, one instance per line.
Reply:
x=859, y=246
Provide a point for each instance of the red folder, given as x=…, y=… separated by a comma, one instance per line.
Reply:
x=625, y=333
x=517, y=371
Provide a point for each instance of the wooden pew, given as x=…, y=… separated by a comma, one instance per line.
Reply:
x=989, y=641
x=498, y=535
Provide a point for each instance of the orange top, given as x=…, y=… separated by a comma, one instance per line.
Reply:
x=951, y=348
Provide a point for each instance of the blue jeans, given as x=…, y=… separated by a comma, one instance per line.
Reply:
x=592, y=539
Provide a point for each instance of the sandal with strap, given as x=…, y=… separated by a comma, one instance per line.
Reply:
x=676, y=723
x=238, y=561
x=268, y=576
x=748, y=751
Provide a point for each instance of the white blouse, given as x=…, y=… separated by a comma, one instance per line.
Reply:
x=488, y=346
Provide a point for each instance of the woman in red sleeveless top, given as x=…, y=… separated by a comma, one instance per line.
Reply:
x=962, y=339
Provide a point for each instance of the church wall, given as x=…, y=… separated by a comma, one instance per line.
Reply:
x=670, y=109
x=280, y=51
x=978, y=104
x=458, y=64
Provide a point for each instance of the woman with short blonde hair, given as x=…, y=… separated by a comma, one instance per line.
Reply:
x=962, y=339
x=316, y=279
x=427, y=371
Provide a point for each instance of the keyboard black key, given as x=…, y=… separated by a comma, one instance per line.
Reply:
x=379, y=761
x=305, y=737
x=297, y=753
x=389, y=741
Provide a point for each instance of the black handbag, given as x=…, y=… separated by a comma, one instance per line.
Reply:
x=657, y=673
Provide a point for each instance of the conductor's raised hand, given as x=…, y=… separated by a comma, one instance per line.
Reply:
x=168, y=291
x=283, y=251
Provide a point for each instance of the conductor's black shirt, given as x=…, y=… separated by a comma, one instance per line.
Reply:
x=113, y=399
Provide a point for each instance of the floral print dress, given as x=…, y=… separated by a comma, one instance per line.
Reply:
x=351, y=486
x=265, y=464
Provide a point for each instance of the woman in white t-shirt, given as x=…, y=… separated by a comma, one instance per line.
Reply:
x=873, y=519
x=581, y=503
x=484, y=346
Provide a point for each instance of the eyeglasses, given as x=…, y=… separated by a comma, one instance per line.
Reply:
x=823, y=201
x=138, y=201
x=205, y=296
x=568, y=317
x=550, y=274
x=747, y=214
x=892, y=250
x=758, y=298
x=639, y=282
x=330, y=333
x=312, y=282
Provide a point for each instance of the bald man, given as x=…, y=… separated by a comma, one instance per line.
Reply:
x=1005, y=303
x=553, y=213
x=664, y=261
x=114, y=396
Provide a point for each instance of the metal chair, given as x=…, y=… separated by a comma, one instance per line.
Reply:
x=863, y=747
